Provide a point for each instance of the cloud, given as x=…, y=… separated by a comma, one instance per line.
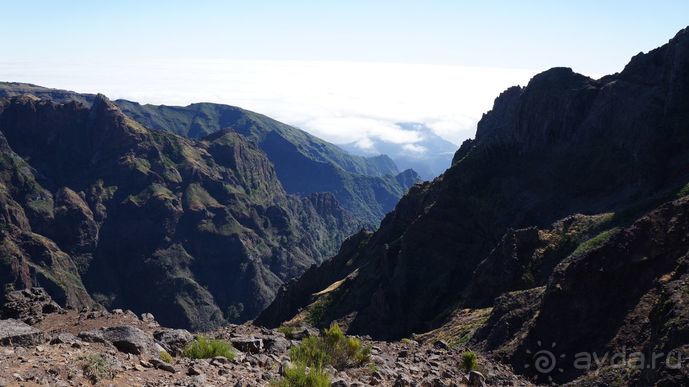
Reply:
x=341, y=102
x=414, y=148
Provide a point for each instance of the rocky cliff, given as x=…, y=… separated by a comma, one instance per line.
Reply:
x=97, y=207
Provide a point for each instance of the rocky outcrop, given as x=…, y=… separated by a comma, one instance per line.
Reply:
x=28, y=305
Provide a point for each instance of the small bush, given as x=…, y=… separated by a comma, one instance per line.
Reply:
x=469, y=361
x=97, y=368
x=289, y=332
x=166, y=357
x=299, y=376
x=317, y=310
x=331, y=348
x=204, y=348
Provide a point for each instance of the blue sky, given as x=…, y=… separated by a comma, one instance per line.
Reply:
x=224, y=51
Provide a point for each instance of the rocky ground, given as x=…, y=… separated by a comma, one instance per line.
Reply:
x=123, y=349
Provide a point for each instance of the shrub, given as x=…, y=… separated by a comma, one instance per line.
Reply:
x=289, y=332
x=300, y=376
x=331, y=348
x=204, y=348
x=166, y=357
x=317, y=310
x=469, y=361
x=97, y=368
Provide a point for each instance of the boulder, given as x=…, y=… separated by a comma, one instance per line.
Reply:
x=125, y=338
x=276, y=344
x=247, y=344
x=63, y=338
x=17, y=333
x=161, y=365
x=173, y=340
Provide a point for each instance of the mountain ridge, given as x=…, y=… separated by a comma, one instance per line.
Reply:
x=305, y=164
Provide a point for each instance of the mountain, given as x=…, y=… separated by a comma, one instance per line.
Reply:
x=95, y=206
x=367, y=186
x=561, y=227
x=430, y=156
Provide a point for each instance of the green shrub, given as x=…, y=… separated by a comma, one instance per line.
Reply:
x=97, y=368
x=204, y=348
x=595, y=242
x=289, y=332
x=164, y=356
x=317, y=310
x=469, y=361
x=299, y=376
x=331, y=348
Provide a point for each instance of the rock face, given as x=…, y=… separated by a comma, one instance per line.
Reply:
x=501, y=222
x=198, y=232
x=369, y=187
x=28, y=305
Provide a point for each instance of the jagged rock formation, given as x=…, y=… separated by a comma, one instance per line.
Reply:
x=499, y=221
x=367, y=186
x=97, y=207
x=28, y=305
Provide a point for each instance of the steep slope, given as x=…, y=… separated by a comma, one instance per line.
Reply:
x=304, y=163
x=367, y=186
x=562, y=145
x=196, y=231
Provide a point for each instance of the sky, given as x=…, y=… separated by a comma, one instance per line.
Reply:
x=342, y=70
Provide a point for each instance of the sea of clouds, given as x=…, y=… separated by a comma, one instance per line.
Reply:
x=341, y=102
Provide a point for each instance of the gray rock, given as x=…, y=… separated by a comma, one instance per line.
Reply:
x=339, y=383
x=306, y=332
x=218, y=360
x=403, y=380
x=63, y=338
x=17, y=333
x=125, y=338
x=161, y=365
x=173, y=340
x=247, y=344
x=276, y=344
x=440, y=344
x=476, y=379
x=193, y=371
x=148, y=318
x=95, y=336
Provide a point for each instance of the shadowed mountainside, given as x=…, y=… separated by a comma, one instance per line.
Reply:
x=96, y=206
x=504, y=221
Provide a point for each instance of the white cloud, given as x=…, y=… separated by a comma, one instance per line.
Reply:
x=414, y=148
x=338, y=101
